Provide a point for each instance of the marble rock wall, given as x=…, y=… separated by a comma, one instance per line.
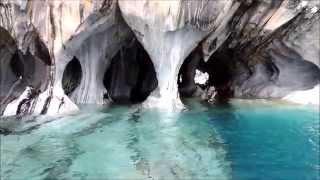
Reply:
x=57, y=54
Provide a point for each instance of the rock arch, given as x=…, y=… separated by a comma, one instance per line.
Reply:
x=131, y=77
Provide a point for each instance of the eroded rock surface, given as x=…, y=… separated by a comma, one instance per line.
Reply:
x=265, y=62
x=56, y=54
x=56, y=32
x=169, y=31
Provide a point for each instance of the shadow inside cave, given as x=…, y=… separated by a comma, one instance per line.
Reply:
x=131, y=76
x=72, y=76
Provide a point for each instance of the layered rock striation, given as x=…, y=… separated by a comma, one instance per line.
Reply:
x=57, y=54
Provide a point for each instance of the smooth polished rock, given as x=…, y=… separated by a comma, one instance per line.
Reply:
x=251, y=49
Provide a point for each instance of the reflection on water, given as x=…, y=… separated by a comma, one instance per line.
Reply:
x=204, y=142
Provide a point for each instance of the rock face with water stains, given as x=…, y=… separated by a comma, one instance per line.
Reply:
x=169, y=31
x=270, y=51
x=51, y=34
x=56, y=54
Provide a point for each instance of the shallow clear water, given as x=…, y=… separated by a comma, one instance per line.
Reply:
x=243, y=140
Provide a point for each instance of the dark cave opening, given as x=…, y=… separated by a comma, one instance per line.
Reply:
x=220, y=69
x=131, y=76
x=72, y=76
x=186, y=85
x=17, y=65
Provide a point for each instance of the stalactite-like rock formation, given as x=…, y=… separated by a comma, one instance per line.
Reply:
x=169, y=31
x=56, y=54
x=91, y=32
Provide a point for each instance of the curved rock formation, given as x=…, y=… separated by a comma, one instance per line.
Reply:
x=90, y=31
x=131, y=76
x=10, y=80
x=56, y=54
x=264, y=61
x=169, y=31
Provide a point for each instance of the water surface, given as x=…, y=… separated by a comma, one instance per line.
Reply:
x=242, y=140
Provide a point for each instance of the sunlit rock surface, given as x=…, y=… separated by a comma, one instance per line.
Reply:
x=63, y=51
x=307, y=97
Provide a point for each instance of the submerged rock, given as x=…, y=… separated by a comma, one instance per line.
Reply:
x=5, y=131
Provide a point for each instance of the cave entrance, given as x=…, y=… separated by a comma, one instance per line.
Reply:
x=209, y=80
x=192, y=80
x=221, y=68
x=131, y=76
x=72, y=76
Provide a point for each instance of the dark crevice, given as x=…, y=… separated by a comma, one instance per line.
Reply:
x=71, y=76
x=16, y=65
x=131, y=76
x=41, y=51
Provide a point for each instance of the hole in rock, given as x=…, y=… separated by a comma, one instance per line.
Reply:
x=72, y=76
x=187, y=81
x=209, y=80
x=221, y=68
x=131, y=76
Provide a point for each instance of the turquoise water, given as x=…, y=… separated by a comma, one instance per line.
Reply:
x=242, y=140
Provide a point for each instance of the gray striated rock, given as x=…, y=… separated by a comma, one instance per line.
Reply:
x=282, y=72
x=94, y=55
x=56, y=54
x=91, y=31
x=269, y=65
x=267, y=49
x=169, y=31
x=10, y=87
x=23, y=68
